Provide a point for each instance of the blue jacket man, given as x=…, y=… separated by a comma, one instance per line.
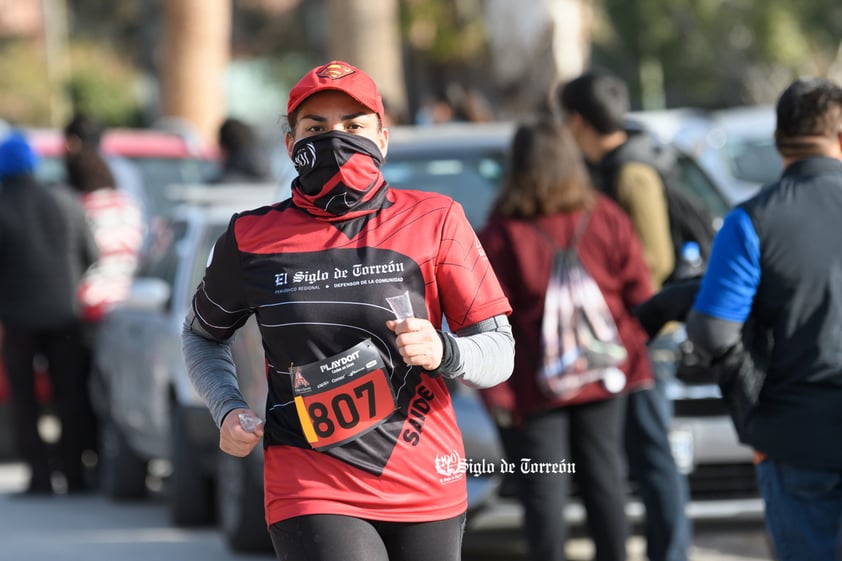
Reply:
x=769, y=313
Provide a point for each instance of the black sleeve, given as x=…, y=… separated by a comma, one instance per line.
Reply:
x=671, y=303
x=219, y=303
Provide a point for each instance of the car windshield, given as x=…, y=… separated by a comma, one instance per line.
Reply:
x=157, y=174
x=699, y=184
x=470, y=179
x=162, y=261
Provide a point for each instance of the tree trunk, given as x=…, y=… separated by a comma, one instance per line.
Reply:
x=196, y=50
x=365, y=33
x=534, y=45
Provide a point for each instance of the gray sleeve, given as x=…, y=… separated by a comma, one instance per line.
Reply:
x=487, y=353
x=210, y=367
x=712, y=336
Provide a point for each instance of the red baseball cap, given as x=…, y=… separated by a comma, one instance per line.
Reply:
x=339, y=76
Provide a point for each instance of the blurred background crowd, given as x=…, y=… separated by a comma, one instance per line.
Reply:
x=196, y=61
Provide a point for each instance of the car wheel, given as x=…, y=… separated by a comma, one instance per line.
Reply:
x=189, y=490
x=240, y=503
x=122, y=471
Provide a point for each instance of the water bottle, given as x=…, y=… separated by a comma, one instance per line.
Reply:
x=691, y=263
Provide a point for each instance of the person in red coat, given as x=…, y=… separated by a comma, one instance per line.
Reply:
x=546, y=437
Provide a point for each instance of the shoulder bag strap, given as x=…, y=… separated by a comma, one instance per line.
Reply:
x=577, y=234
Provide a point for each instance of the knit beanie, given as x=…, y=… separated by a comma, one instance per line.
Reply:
x=16, y=156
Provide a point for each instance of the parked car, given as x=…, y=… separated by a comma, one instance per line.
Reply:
x=736, y=147
x=463, y=161
x=149, y=408
x=669, y=125
x=719, y=469
x=160, y=158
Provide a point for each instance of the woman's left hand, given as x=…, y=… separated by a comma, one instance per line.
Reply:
x=418, y=342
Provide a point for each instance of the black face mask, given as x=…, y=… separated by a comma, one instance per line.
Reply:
x=338, y=175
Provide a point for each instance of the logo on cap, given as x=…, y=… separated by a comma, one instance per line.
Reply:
x=334, y=71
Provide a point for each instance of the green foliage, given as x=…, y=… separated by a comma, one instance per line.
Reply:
x=720, y=52
x=130, y=28
x=103, y=84
x=446, y=31
x=99, y=81
x=24, y=93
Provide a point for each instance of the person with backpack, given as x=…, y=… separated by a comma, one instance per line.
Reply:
x=547, y=205
x=623, y=167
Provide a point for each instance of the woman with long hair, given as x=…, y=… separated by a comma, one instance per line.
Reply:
x=547, y=202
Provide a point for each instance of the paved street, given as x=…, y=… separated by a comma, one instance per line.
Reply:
x=93, y=528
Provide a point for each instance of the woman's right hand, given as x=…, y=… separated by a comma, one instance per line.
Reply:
x=234, y=439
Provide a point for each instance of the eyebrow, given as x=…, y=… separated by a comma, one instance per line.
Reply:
x=321, y=119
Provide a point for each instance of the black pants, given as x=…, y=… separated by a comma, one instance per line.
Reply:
x=590, y=436
x=663, y=489
x=328, y=537
x=68, y=362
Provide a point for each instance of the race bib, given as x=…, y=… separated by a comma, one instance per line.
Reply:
x=343, y=396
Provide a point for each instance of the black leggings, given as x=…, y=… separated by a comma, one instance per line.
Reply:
x=329, y=537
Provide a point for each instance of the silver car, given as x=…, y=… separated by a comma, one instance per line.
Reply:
x=151, y=414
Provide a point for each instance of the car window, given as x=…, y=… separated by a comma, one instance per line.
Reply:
x=472, y=180
x=159, y=173
x=161, y=260
x=200, y=259
x=754, y=159
x=697, y=181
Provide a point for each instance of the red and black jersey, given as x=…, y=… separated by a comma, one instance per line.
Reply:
x=318, y=289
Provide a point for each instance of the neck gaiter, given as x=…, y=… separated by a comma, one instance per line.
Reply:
x=338, y=176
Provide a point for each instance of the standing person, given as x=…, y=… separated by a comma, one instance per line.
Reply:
x=85, y=132
x=548, y=187
x=45, y=247
x=777, y=262
x=595, y=105
x=369, y=467
x=240, y=157
x=116, y=223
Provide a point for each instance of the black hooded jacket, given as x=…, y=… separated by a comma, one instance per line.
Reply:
x=45, y=246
